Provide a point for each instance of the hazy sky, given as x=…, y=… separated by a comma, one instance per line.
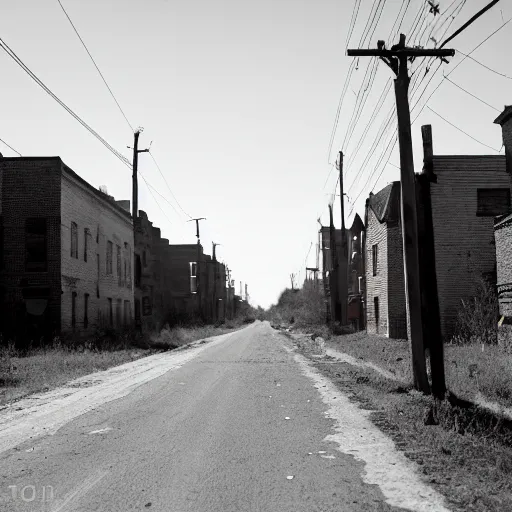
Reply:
x=239, y=98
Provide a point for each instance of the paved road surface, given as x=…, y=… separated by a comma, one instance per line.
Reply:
x=212, y=435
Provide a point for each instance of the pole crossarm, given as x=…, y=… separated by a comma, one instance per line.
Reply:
x=405, y=52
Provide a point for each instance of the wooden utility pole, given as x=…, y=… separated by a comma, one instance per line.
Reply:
x=397, y=59
x=198, y=266
x=214, y=259
x=135, y=166
x=343, y=260
x=333, y=274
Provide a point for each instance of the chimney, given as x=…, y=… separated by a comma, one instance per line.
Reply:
x=505, y=121
x=124, y=204
x=428, y=151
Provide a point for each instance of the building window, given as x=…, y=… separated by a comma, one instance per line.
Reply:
x=119, y=308
x=119, y=274
x=377, y=313
x=110, y=313
x=109, y=257
x=138, y=270
x=98, y=276
x=375, y=255
x=35, y=245
x=87, y=235
x=492, y=202
x=193, y=277
x=127, y=312
x=73, y=310
x=74, y=240
x=86, y=310
x=144, y=260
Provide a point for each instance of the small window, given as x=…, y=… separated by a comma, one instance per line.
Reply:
x=86, y=310
x=375, y=255
x=73, y=310
x=492, y=202
x=193, y=277
x=119, y=274
x=35, y=245
x=138, y=270
x=87, y=234
x=110, y=313
x=109, y=257
x=74, y=240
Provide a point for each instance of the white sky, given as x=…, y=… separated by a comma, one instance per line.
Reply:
x=239, y=99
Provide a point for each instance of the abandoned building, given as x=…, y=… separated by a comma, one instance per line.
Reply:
x=354, y=293
x=66, y=252
x=458, y=197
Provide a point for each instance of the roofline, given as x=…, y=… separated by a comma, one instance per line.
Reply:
x=72, y=173
x=504, y=116
x=468, y=157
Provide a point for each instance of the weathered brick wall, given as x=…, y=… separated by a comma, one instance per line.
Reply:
x=464, y=242
x=503, y=237
x=396, y=284
x=377, y=286
x=30, y=189
x=92, y=210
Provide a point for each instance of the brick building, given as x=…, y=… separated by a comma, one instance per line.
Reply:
x=458, y=197
x=355, y=269
x=66, y=260
x=503, y=239
x=384, y=274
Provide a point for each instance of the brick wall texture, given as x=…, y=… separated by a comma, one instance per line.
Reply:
x=464, y=242
x=105, y=222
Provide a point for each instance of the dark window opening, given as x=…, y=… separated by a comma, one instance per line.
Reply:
x=74, y=240
x=377, y=313
x=35, y=243
x=87, y=234
x=492, y=202
x=86, y=310
x=118, y=261
x=110, y=313
x=109, y=257
x=73, y=310
x=375, y=254
x=138, y=270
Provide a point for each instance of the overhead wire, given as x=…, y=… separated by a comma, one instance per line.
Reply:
x=10, y=147
x=95, y=65
x=20, y=63
x=471, y=94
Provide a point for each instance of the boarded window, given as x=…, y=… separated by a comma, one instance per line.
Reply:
x=375, y=255
x=493, y=202
x=74, y=240
x=119, y=274
x=109, y=257
x=193, y=277
x=35, y=245
x=87, y=235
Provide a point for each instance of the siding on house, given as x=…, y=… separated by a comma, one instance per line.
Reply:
x=463, y=241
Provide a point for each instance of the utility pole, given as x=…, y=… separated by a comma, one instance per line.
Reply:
x=292, y=279
x=198, y=267
x=135, y=166
x=397, y=59
x=343, y=268
x=333, y=274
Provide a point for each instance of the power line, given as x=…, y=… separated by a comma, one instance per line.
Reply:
x=167, y=183
x=10, y=147
x=155, y=199
x=471, y=94
x=461, y=130
x=96, y=66
x=353, y=19
x=485, y=66
x=18, y=61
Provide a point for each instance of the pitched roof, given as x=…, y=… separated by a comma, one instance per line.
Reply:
x=504, y=116
x=357, y=224
x=386, y=203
